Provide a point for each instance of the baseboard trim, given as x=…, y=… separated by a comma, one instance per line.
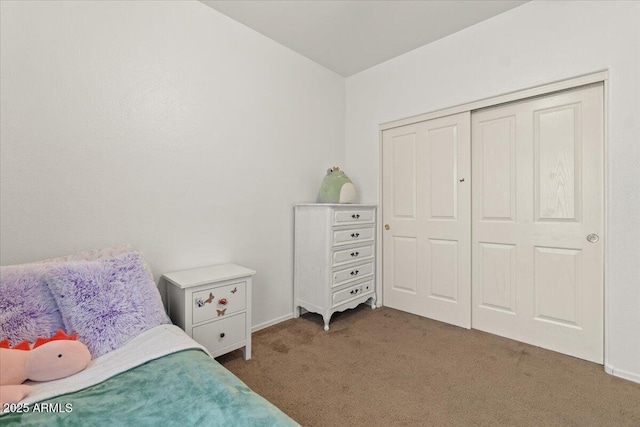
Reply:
x=622, y=374
x=275, y=321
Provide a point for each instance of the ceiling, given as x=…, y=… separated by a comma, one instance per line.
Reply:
x=350, y=36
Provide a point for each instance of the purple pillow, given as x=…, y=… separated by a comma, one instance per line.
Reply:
x=106, y=302
x=27, y=307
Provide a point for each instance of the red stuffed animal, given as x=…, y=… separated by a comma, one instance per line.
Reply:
x=49, y=359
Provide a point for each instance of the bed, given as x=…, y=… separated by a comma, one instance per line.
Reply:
x=153, y=375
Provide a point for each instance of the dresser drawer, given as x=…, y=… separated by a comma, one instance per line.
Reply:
x=352, y=216
x=352, y=292
x=352, y=254
x=340, y=277
x=214, y=302
x=221, y=333
x=352, y=235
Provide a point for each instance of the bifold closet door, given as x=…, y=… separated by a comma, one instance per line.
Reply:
x=426, y=211
x=538, y=221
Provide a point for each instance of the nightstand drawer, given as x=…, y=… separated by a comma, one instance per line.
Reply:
x=352, y=216
x=352, y=254
x=352, y=292
x=215, y=302
x=221, y=333
x=340, y=277
x=352, y=235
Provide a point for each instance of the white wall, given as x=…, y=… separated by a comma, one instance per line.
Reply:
x=535, y=44
x=162, y=124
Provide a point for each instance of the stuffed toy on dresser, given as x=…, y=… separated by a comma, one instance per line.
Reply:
x=336, y=187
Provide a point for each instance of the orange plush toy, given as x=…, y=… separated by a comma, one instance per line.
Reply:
x=49, y=359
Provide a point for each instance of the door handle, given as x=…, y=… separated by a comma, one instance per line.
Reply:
x=386, y=227
x=593, y=238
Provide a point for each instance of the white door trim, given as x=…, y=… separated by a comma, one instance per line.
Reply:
x=570, y=83
x=557, y=86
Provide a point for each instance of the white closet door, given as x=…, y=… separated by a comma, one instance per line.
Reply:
x=426, y=204
x=538, y=221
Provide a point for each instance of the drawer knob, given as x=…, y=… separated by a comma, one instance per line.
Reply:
x=223, y=301
x=355, y=235
x=354, y=291
x=355, y=272
x=355, y=254
x=222, y=335
x=355, y=216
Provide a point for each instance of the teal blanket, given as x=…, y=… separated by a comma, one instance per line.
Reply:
x=183, y=389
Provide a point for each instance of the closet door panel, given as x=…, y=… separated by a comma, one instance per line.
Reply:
x=426, y=250
x=537, y=269
x=403, y=154
x=442, y=195
x=497, y=180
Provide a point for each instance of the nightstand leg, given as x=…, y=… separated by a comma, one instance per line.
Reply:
x=296, y=311
x=246, y=351
x=326, y=322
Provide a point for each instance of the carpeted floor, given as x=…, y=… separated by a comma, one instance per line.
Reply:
x=385, y=367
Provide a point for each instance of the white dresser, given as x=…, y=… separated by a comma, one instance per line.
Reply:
x=213, y=306
x=334, y=258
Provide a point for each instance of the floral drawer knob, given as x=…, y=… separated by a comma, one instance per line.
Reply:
x=200, y=302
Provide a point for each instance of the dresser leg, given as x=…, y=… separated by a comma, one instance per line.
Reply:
x=326, y=322
x=247, y=352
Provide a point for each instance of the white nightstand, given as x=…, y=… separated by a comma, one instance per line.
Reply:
x=213, y=306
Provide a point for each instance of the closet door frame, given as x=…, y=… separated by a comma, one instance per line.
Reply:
x=570, y=83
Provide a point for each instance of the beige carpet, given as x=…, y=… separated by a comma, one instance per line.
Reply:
x=385, y=367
